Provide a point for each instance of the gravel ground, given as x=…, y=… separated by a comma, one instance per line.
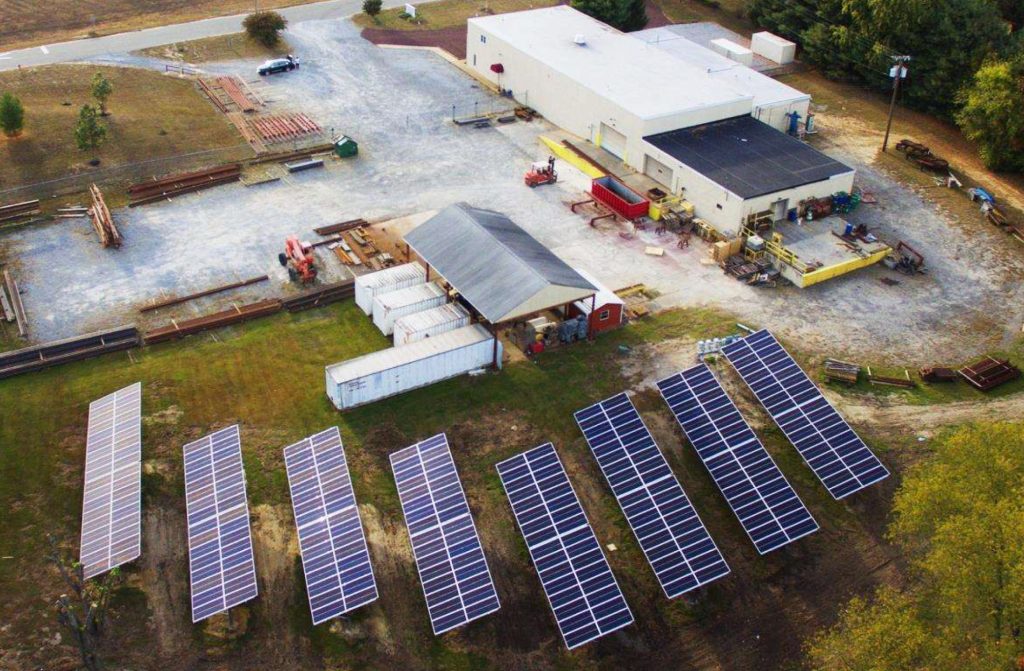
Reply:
x=397, y=104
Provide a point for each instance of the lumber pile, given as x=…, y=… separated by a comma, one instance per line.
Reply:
x=102, y=221
x=842, y=371
x=176, y=185
x=989, y=373
x=22, y=210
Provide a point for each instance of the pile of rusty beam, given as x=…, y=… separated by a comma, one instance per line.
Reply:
x=235, y=315
x=340, y=227
x=331, y=293
x=284, y=127
x=242, y=125
x=233, y=87
x=168, y=302
x=938, y=374
x=102, y=221
x=78, y=348
x=16, y=306
x=176, y=185
x=989, y=373
x=212, y=95
x=15, y=211
x=284, y=157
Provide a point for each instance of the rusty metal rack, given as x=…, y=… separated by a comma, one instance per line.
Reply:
x=989, y=373
x=87, y=346
x=176, y=185
x=281, y=128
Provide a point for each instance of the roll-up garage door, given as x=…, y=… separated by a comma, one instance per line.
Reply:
x=612, y=140
x=658, y=171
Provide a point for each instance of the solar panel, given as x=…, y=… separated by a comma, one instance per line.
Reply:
x=453, y=571
x=836, y=454
x=221, y=567
x=671, y=534
x=577, y=580
x=112, y=498
x=767, y=507
x=335, y=558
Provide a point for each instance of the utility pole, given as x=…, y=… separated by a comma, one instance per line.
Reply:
x=898, y=73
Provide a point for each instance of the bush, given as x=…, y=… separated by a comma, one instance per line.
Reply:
x=372, y=7
x=991, y=113
x=12, y=115
x=265, y=27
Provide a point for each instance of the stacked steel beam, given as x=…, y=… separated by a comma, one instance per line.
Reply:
x=39, y=357
x=331, y=293
x=235, y=315
x=283, y=127
x=176, y=185
x=16, y=211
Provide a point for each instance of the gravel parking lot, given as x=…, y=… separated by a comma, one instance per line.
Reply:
x=397, y=104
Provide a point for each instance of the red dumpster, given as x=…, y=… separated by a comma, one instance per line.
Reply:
x=623, y=200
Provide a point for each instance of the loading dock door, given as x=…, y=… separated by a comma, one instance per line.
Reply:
x=612, y=140
x=658, y=171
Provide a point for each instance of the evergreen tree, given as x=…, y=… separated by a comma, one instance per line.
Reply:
x=12, y=115
x=89, y=132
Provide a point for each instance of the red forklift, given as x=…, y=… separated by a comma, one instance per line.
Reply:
x=541, y=173
x=298, y=258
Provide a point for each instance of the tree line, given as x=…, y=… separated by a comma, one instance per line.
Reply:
x=967, y=58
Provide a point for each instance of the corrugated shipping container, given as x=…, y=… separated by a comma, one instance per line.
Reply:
x=430, y=323
x=399, y=369
x=381, y=282
x=394, y=304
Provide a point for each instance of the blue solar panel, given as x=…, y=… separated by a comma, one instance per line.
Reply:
x=221, y=567
x=579, y=584
x=449, y=557
x=671, y=534
x=335, y=558
x=836, y=454
x=767, y=507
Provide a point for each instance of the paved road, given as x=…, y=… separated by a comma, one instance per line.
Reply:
x=181, y=32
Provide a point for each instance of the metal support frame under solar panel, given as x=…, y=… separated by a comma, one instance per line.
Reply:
x=766, y=505
x=450, y=560
x=826, y=442
x=674, y=540
x=577, y=580
x=332, y=543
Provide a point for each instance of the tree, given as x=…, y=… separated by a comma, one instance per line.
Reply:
x=83, y=612
x=101, y=90
x=959, y=518
x=12, y=115
x=625, y=15
x=89, y=132
x=991, y=115
x=372, y=7
x=265, y=27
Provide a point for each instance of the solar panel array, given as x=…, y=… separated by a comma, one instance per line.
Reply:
x=836, y=454
x=671, y=534
x=453, y=571
x=768, y=509
x=221, y=567
x=112, y=499
x=574, y=572
x=335, y=558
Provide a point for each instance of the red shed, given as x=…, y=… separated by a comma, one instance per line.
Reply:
x=608, y=309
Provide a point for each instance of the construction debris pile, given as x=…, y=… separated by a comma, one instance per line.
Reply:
x=922, y=156
x=102, y=221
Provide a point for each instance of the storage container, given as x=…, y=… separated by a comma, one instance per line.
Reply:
x=773, y=47
x=381, y=282
x=389, y=307
x=399, y=369
x=429, y=323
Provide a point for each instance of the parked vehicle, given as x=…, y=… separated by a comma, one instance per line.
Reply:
x=276, y=65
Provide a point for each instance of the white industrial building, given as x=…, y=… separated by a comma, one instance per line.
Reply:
x=704, y=125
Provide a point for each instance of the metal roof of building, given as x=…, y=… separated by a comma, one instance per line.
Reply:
x=499, y=268
x=747, y=157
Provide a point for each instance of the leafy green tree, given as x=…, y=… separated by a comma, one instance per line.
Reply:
x=101, y=90
x=992, y=113
x=1012, y=11
x=372, y=7
x=625, y=15
x=265, y=27
x=89, y=132
x=959, y=517
x=12, y=115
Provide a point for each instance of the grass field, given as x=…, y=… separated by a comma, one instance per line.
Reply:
x=445, y=14
x=152, y=116
x=222, y=48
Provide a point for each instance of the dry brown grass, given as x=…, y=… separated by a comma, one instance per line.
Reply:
x=447, y=14
x=151, y=116
x=222, y=48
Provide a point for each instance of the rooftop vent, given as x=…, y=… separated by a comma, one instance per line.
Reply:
x=580, y=40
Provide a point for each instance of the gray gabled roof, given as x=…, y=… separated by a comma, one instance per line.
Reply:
x=499, y=268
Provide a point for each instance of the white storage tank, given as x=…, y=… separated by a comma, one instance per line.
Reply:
x=430, y=323
x=773, y=47
x=381, y=282
x=399, y=369
x=733, y=51
x=395, y=304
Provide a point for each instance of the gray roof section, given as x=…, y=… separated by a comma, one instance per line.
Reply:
x=492, y=262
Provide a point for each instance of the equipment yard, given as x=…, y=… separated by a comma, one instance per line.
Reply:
x=510, y=320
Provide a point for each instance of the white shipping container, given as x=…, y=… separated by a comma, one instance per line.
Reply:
x=399, y=369
x=381, y=282
x=733, y=51
x=430, y=323
x=392, y=305
x=773, y=47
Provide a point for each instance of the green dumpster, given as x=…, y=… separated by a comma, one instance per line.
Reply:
x=345, y=147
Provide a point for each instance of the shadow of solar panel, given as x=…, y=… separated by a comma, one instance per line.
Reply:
x=674, y=539
x=836, y=454
x=574, y=572
x=221, y=567
x=112, y=496
x=453, y=570
x=764, y=502
x=335, y=559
